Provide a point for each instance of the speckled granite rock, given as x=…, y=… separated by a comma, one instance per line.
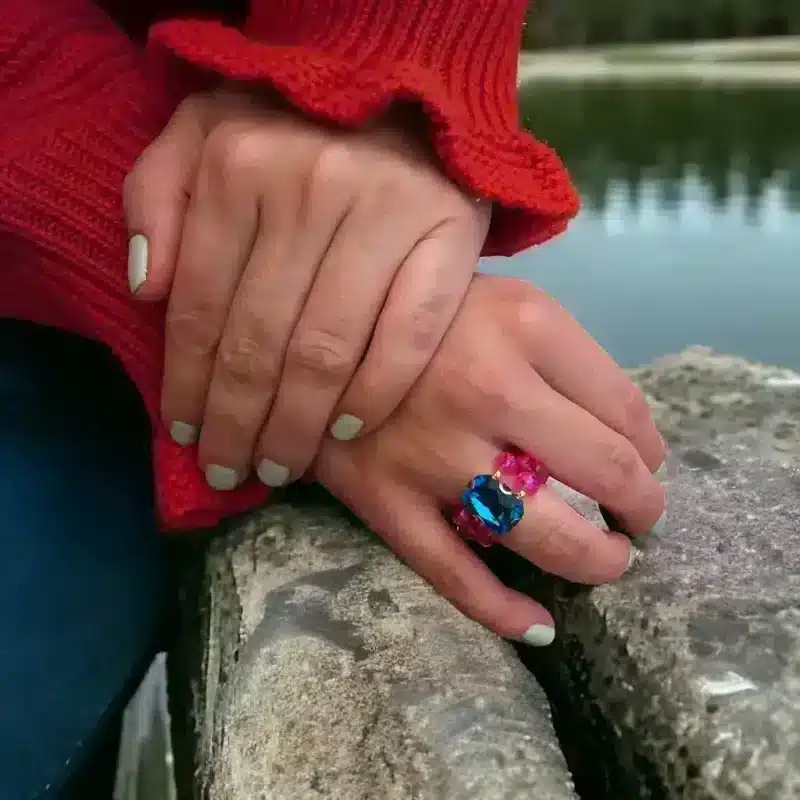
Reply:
x=315, y=665
x=699, y=396
x=683, y=680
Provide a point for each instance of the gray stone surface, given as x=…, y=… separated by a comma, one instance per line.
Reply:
x=694, y=658
x=699, y=396
x=315, y=665
x=683, y=680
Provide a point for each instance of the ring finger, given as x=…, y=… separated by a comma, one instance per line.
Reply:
x=550, y=534
x=263, y=314
x=218, y=233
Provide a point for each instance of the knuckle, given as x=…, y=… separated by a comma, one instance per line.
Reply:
x=484, y=389
x=326, y=356
x=224, y=426
x=244, y=360
x=195, y=331
x=399, y=187
x=535, y=307
x=335, y=165
x=193, y=106
x=233, y=148
x=620, y=467
x=564, y=547
x=635, y=411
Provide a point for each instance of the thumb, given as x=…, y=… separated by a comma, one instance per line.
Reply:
x=156, y=195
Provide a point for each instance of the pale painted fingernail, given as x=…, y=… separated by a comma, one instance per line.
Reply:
x=660, y=526
x=183, y=433
x=138, y=248
x=223, y=479
x=347, y=427
x=539, y=635
x=272, y=474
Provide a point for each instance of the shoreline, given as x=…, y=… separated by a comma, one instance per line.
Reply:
x=766, y=62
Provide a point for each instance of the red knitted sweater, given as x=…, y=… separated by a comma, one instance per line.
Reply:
x=80, y=99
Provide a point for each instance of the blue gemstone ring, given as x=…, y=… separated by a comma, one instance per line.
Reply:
x=492, y=505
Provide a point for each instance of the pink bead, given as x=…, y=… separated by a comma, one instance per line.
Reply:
x=471, y=528
x=507, y=463
x=530, y=483
x=521, y=472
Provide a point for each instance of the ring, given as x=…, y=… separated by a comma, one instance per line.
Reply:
x=492, y=505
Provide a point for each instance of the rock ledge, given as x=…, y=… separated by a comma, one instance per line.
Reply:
x=314, y=665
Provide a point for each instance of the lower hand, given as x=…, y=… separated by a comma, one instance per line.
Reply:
x=514, y=370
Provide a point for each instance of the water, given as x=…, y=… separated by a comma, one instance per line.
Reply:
x=690, y=232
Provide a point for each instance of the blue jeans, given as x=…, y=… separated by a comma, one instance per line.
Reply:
x=84, y=589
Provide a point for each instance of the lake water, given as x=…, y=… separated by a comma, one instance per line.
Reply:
x=690, y=232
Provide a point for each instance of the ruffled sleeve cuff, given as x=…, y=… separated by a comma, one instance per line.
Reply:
x=347, y=61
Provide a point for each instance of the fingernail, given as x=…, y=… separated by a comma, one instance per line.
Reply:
x=660, y=526
x=223, y=479
x=183, y=433
x=137, y=261
x=614, y=525
x=347, y=427
x=539, y=635
x=272, y=474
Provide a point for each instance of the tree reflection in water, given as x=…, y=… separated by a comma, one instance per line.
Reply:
x=733, y=140
x=690, y=232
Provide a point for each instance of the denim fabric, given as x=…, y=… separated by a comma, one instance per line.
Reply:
x=83, y=575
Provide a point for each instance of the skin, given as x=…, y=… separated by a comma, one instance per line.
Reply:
x=536, y=380
x=311, y=275
x=514, y=369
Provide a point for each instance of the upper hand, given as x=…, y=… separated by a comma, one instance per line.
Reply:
x=513, y=370
x=311, y=275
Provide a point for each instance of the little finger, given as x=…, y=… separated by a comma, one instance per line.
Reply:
x=417, y=532
x=421, y=305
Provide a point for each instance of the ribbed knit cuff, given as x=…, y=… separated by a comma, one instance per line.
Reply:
x=346, y=61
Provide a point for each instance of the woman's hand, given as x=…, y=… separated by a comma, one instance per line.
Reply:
x=311, y=274
x=514, y=370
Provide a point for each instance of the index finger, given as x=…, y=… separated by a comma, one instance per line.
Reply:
x=578, y=368
x=156, y=196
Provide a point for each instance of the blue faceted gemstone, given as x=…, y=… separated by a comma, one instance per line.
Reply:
x=493, y=503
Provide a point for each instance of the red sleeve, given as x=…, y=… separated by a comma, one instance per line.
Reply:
x=79, y=103
x=347, y=60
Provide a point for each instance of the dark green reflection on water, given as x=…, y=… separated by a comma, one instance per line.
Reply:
x=690, y=232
